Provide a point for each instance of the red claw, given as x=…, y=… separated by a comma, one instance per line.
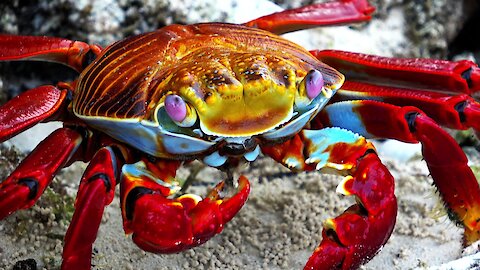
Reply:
x=354, y=237
x=163, y=225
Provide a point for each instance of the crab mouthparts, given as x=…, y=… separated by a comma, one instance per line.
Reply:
x=238, y=149
x=234, y=147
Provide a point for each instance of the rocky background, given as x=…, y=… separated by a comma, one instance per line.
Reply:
x=433, y=25
x=281, y=224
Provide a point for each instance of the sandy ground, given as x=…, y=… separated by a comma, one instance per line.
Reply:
x=281, y=223
x=277, y=229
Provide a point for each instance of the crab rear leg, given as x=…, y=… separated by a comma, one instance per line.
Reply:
x=43, y=103
x=356, y=235
x=442, y=89
x=162, y=224
x=25, y=185
x=446, y=161
x=452, y=111
x=321, y=14
x=96, y=191
x=68, y=52
x=461, y=77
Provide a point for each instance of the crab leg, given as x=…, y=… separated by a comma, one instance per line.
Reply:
x=96, y=191
x=68, y=52
x=442, y=89
x=25, y=185
x=163, y=225
x=29, y=108
x=429, y=74
x=355, y=236
x=451, y=175
x=321, y=14
x=453, y=111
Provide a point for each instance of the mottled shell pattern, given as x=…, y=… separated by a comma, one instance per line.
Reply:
x=236, y=82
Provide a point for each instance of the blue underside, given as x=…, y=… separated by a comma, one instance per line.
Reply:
x=342, y=114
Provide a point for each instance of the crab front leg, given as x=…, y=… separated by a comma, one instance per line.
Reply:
x=96, y=191
x=25, y=185
x=163, y=224
x=354, y=237
x=446, y=161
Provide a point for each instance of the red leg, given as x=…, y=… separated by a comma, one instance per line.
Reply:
x=25, y=185
x=354, y=237
x=445, y=159
x=163, y=225
x=452, y=111
x=440, y=88
x=329, y=13
x=29, y=108
x=429, y=74
x=64, y=51
x=96, y=191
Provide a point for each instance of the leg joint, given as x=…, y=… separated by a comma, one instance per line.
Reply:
x=89, y=57
x=410, y=118
x=369, y=151
x=460, y=108
x=32, y=184
x=132, y=197
x=102, y=176
x=467, y=76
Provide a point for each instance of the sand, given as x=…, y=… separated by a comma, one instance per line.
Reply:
x=278, y=227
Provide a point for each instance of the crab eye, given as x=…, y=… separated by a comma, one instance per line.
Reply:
x=309, y=88
x=176, y=108
x=179, y=111
x=313, y=83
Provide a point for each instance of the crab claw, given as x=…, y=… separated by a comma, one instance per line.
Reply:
x=163, y=225
x=355, y=236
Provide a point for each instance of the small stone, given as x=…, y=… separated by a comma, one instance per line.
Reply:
x=28, y=264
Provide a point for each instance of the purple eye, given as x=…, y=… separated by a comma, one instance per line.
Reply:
x=313, y=83
x=176, y=108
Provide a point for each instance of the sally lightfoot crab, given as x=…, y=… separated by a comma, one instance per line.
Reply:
x=223, y=94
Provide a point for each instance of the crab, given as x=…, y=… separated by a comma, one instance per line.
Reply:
x=222, y=94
